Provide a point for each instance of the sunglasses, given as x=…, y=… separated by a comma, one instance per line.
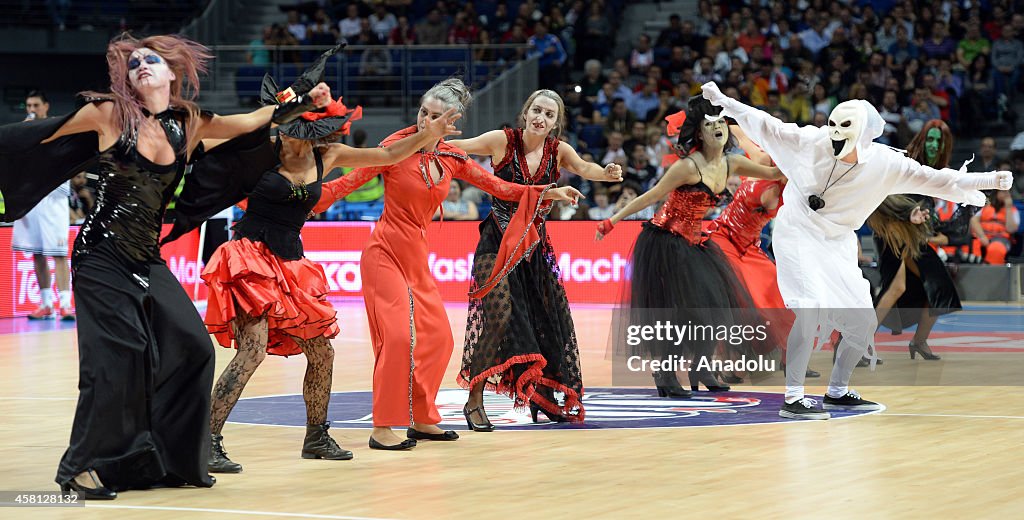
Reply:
x=151, y=59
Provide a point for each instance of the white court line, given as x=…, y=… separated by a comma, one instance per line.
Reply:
x=955, y=415
x=231, y=511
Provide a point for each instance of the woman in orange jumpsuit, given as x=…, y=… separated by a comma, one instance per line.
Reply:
x=412, y=338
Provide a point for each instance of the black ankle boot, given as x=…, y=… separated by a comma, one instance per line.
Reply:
x=668, y=385
x=320, y=445
x=219, y=461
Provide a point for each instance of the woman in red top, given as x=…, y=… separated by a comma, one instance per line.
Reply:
x=675, y=267
x=412, y=340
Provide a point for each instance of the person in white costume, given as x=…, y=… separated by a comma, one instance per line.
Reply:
x=43, y=233
x=837, y=177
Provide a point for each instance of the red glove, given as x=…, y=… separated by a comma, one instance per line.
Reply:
x=605, y=227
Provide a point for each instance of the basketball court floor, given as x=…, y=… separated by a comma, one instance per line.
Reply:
x=947, y=444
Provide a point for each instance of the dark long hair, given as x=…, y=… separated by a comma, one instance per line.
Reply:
x=689, y=133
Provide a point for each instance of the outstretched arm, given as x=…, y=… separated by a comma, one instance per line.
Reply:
x=488, y=143
x=340, y=155
x=568, y=158
x=94, y=117
x=680, y=173
x=947, y=183
x=341, y=187
x=743, y=166
x=227, y=127
x=775, y=137
x=477, y=176
x=754, y=152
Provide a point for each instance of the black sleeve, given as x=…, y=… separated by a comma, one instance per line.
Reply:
x=220, y=178
x=30, y=170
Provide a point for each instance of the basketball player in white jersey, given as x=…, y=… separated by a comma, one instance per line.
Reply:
x=43, y=232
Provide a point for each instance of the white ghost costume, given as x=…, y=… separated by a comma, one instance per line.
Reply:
x=816, y=251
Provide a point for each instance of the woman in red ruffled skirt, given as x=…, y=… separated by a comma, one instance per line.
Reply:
x=265, y=296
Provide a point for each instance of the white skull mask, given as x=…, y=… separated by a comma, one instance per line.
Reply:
x=846, y=124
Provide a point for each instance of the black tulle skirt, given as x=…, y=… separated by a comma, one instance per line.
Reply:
x=520, y=339
x=687, y=284
x=932, y=288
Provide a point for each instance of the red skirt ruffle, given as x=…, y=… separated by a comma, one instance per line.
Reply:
x=245, y=275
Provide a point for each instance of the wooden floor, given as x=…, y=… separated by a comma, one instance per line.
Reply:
x=947, y=452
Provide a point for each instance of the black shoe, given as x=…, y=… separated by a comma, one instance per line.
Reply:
x=922, y=349
x=708, y=380
x=485, y=426
x=732, y=379
x=556, y=418
x=219, y=461
x=415, y=434
x=668, y=386
x=850, y=401
x=803, y=409
x=319, y=444
x=97, y=493
x=407, y=444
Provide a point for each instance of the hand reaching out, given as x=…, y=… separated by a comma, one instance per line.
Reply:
x=711, y=92
x=320, y=95
x=444, y=125
x=613, y=172
x=566, y=193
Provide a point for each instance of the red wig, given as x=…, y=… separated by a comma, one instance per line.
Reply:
x=186, y=58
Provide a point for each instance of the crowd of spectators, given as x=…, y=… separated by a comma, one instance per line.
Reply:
x=915, y=61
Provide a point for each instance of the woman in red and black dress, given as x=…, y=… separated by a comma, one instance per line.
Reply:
x=520, y=339
x=676, y=269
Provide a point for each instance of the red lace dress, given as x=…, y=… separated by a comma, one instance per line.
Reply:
x=738, y=234
x=412, y=338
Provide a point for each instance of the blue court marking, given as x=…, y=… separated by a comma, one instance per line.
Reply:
x=606, y=408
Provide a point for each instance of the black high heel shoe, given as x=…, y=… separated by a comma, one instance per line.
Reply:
x=708, y=380
x=97, y=493
x=668, y=386
x=485, y=426
x=555, y=418
x=923, y=349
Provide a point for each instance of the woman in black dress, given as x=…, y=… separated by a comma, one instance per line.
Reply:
x=145, y=358
x=520, y=339
x=916, y=287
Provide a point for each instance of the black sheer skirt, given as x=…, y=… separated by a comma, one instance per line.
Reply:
x=520, y=339
x=932, y=289
x=692, y=285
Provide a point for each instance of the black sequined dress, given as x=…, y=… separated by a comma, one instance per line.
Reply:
x=145, y=359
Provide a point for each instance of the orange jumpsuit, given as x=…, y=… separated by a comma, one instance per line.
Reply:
x=412, y=338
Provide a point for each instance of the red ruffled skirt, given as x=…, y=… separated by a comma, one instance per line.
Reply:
x=246, y=275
